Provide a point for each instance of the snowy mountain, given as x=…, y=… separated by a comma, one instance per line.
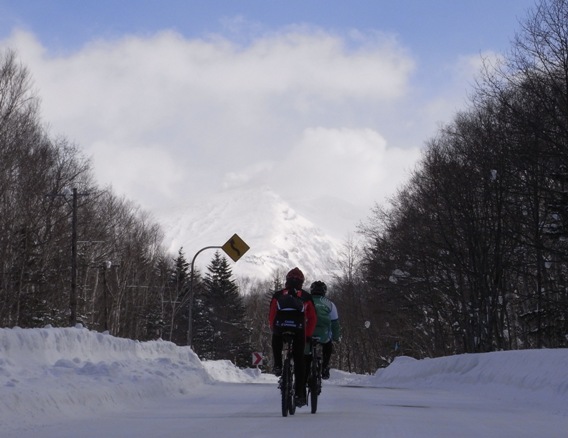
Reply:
x=278, y=236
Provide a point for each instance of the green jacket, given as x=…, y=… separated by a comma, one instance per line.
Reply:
x=327, y=327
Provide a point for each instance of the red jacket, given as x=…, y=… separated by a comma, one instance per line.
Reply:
x=309, y=310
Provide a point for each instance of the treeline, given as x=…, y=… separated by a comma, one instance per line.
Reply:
x=72, y=252
x=472, y=254
x=469, y=256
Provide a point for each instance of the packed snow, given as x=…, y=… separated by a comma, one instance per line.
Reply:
x=53, y=376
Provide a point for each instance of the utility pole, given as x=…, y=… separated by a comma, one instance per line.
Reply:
x=73, y=295
x=106, y=265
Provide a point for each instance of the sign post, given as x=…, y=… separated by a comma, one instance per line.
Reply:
x=235, y=247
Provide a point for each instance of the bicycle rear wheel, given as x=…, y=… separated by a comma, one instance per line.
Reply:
x=285, y=387
x=291, y=392
x=314, y=390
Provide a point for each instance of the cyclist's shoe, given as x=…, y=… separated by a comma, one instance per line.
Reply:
x=325, y=373
x=277, y=371
x=300, y=401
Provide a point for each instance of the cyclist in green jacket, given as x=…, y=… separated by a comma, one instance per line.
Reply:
x=327, y=327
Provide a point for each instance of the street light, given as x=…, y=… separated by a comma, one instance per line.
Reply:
x=190, y=304
x=235, y=247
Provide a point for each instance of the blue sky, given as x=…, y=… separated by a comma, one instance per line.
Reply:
x=202, y=96
x=437, y=26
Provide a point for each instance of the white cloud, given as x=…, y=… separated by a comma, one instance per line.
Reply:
x=460, y=84
x=251, y=173
x=139, y=170
x=352, y=164
x=303, y=110
x=467, y=67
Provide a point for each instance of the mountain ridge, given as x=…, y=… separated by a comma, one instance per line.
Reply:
x=279, y=237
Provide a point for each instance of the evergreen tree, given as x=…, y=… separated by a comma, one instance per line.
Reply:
x=203, y=329
x=153, y=309
x=223, y=332
x=177, y=291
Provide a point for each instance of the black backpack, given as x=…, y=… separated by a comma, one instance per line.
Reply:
x=289, y=312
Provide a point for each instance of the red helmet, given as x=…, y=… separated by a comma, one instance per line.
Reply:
x=295, y=278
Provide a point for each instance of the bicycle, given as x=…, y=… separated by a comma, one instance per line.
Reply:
x=286, y=382
x=314, y=376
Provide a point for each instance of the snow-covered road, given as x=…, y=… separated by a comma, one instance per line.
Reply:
x=76, y=383
x=241, y=410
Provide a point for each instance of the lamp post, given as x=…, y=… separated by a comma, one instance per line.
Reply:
x=190, y=304
x=235, y=247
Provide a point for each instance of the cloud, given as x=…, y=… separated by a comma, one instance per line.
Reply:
x=352, y=164
x=461, y=78
x=301, y=109
x=134, y=168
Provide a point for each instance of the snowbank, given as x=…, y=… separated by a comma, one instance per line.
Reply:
x=532, y=370
x=73, y=372
x=538, y=375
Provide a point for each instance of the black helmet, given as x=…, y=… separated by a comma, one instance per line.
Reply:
x=318, y=288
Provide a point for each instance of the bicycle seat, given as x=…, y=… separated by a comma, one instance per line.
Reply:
x=288, y=336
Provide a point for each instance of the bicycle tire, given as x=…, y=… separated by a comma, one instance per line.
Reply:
x=291, y=392
x=314, y=386
x=285, y=387
x=315, y=378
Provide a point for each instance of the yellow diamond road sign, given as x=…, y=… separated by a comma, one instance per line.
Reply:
x=235, y=247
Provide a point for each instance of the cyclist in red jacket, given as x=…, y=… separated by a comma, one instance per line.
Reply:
x=293, y=288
